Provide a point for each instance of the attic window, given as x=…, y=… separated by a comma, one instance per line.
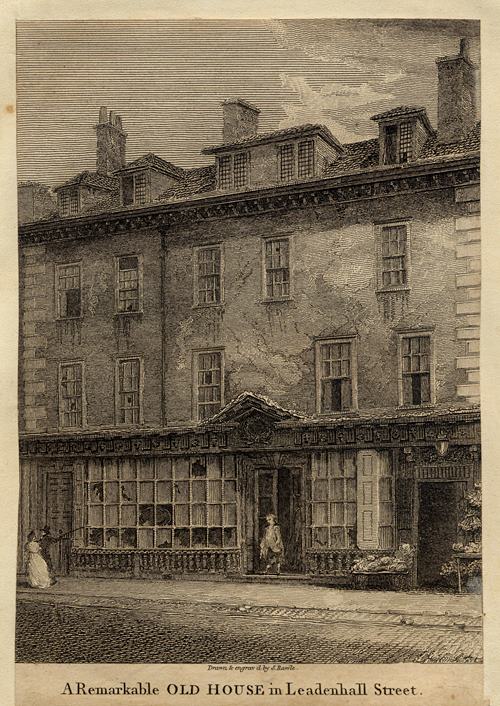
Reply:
x=134, y=189
x=68, y=202
x=398, y=143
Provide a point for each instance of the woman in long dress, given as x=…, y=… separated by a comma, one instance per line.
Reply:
x=38, y=571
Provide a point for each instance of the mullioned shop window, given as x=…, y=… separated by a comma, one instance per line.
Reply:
x=156, y=503
x=351, y=501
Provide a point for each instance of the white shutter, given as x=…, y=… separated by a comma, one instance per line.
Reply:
x=368, y=499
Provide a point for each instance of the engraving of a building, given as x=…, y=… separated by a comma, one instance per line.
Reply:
x=293, y=329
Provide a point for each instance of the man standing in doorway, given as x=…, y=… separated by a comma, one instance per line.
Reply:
x=271, y=546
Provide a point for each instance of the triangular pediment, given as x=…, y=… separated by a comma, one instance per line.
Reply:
x=248, y=404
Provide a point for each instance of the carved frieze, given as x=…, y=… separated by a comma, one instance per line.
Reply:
x=431, y=441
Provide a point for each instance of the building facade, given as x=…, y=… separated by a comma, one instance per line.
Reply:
x=294, y=329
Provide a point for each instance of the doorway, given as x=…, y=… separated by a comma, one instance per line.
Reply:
x=279, y=491
x=60, y=517
x=437, y=528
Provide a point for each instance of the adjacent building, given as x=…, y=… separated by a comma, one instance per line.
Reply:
x=293, y=329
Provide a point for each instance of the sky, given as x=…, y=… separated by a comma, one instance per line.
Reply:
x=167, y=80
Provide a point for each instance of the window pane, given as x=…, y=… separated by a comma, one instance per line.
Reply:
x=164, y=491
x=319, y=537
x=146, y=491
x=146, y=538
x=129, y=514
x=129, y=538
x=320, y=514
x=111, y=538
x=163, y=538
x=164, y=514
x=215, y=537
x=147, y=515
x=128, y=492
x=230, y=514
x=306, y=158
x=181, y=515
x=215, y=515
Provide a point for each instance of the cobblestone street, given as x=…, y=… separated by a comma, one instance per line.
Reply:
x=64, y=627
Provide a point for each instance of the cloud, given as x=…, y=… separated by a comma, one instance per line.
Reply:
x=345, y=110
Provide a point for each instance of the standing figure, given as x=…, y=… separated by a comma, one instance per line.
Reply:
x=45, y=542
x=271, y=546
x=37, y=569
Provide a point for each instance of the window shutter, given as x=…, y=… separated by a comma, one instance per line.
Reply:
x=368, y=500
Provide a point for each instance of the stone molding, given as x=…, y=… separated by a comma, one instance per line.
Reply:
x=369, y=185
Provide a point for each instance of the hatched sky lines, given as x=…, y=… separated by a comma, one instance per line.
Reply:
x=167, y=80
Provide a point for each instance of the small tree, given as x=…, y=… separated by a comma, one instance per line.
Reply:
x=470, y=525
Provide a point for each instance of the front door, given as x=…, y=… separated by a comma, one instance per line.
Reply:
x=437, y=528
x=59, y=517
x=279, y=491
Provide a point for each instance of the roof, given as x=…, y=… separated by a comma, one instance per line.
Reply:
x=193, y=181
x=278, y=135
x=248, y=402
x=95, y=179
x=470, y=143
x=363, y=156
x=153, y=161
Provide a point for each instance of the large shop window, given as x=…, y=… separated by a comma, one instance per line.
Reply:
x=156, y=503
x=351, y=500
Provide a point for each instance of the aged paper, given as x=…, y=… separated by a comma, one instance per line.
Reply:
x=242, y=668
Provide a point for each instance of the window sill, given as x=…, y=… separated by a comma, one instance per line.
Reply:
x=342, y=413
x=214, y=305
x=69, y=318
x=409, y=407
x=281, y=300
x=129, y=313
x=392, y=290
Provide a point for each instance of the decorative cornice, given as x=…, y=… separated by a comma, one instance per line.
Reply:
x=454, y=429
x=336, y=190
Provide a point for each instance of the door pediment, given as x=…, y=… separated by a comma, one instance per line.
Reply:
x=255, y=416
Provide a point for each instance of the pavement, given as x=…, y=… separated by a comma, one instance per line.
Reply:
x=126, y=620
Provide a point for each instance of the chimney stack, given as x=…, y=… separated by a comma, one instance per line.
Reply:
x=456, y=95
x=240, y=120
x=111, y=142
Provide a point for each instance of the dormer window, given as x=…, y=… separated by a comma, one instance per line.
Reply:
x=398, y=143
x=403, y=132
x=296, y=160
x=134, y=189
x=286, y=162
x=240, y=170
x=234, y=170
x=305, y=160
x=68, y=202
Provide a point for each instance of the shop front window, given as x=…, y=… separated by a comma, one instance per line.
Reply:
x=157, y=503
